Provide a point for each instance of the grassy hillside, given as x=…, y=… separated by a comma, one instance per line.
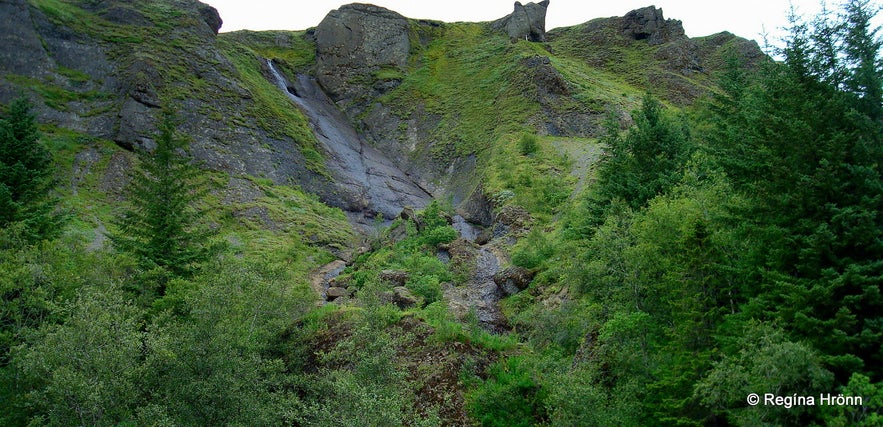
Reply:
x=634, y=268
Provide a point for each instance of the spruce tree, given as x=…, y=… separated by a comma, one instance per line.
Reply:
x=160, y=224
x=25, y=177
x=804, y=146
x=647, y=160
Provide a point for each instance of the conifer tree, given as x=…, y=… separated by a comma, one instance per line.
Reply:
x=25, y=176
x=804, y=146
x=646, y=161
x=160, y=225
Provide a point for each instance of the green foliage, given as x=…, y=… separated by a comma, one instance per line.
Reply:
x=372, y=386
x=427, y=287
x=533, y=251
x=645, y=162
x=528, y=144
x=814, y=186
x=461, y=74
x=509, y=397
x=86, y=370
x=160, y=226
x=766, y=362
x=26, y=206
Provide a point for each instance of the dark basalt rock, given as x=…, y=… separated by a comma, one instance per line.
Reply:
x=525, y=22
x=648, y=24
x=353, y=43
x=513, y=279
x=210, y=16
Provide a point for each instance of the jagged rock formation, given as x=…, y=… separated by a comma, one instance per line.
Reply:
x=527, y=22
x=648, y=24
x=355, y=42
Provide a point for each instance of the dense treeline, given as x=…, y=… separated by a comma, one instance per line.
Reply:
x=734, y=248
x=736, y=253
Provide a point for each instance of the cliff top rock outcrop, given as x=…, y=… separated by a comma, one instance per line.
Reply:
x=649, y=24
x=525, y=22
x=356, y=41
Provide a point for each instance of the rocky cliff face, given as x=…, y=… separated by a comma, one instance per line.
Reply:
x=106, y=69
x=427, y=100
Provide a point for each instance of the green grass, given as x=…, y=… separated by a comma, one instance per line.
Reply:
x=67, y=13
x=290, y=48
x=56, y=97
x=273, y=111
x=463, y=75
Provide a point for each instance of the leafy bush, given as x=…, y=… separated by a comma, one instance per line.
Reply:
x=528, y=144
x=535, y=250
x=427, y=287
x=510, y=397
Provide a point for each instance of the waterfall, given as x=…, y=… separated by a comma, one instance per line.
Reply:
x=367, y=182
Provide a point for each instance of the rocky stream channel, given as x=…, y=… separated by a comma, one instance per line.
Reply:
x=369, y=184
x=478, y=296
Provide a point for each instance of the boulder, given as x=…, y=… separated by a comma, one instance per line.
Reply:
x=395, y=277
x=515, y=217
x=403, y=298
x=526, y=22
x=513, y=279
x=356, y=41
x=334, y=293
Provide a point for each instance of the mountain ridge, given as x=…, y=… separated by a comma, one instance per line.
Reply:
x=106, y=69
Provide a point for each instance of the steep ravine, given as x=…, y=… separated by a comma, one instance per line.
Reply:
x=368, y=183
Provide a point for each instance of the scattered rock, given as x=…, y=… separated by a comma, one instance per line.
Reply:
x=513, y=279
x=395, y=277
x=116, y=175
x=341, y=282
x=320, y=279
x=515, y=217
x=526, y=22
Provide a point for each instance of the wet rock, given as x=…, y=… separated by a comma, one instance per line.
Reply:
x=478, y=208
x=513, y=279
x=395, y=277
x=526, y=22
x=319, y=280
x=365, y=182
